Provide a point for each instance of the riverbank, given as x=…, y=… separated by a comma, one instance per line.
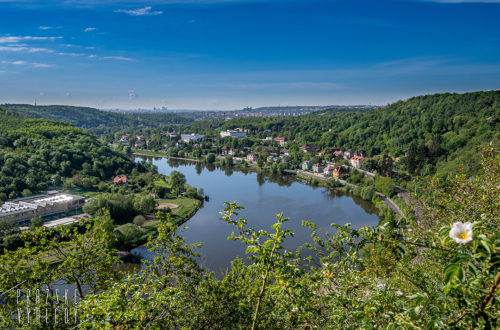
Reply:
x=344, y=185
x=147, y=153
x=388, y=201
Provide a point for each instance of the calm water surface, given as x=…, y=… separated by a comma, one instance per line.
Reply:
x=263, y=197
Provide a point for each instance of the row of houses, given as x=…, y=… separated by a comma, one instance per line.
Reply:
x=329, y=170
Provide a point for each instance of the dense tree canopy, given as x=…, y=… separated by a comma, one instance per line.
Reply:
x=92, y=119
x=439, y=131
x=37, y=153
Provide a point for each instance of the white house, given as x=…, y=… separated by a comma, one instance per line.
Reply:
x=191, y=137
x=232, y=133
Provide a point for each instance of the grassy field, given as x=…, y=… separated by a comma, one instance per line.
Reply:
x=186, y=207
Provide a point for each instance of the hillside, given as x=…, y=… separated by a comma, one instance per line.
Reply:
x=90, y=118
x=38, y=153
x=439, y=132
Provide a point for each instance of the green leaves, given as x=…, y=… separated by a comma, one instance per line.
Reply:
x=454, y=272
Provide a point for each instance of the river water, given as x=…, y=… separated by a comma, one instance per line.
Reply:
x=263, y=197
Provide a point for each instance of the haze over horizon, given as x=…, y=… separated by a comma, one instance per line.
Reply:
x=229, y=54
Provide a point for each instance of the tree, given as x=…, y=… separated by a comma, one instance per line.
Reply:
x=211, y=158
x=144, y=204
x=26, y=193
x=139, y=220
x=177, y=181
x=36, y=222
x=385, y=185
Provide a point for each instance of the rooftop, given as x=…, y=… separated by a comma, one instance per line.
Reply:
x=34, y=203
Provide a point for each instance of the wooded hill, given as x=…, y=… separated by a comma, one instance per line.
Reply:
x=439, y=132
x=38, y=153
x=90, y=118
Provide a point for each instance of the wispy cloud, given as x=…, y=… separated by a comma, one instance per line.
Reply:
x=17, y=39
x=17, y=48
x=89, y=29
x=140, y=12
x=32, y=64
x=120, y=58
x=71, y=54
x=45, y=27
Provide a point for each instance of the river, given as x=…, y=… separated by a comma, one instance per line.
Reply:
x=263, y=197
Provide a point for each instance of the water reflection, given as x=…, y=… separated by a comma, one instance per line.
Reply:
x=263, y=197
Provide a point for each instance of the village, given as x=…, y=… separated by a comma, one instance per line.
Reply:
x=308, y=158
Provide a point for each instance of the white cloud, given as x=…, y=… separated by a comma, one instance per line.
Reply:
x=71, y=54
x=17, y=48
x=45, y=27
x=121, y=58
x=24, y=63
x=89, y=29
x=42, y=65
x=17, y=39
x=140, y=12
x=89, y=47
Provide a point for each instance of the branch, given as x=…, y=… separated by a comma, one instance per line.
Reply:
x=486, y=300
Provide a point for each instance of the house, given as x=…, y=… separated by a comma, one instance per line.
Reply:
x=321, y=153
x=348, y=154
x=280, y=140
x=191, y=137
x=328, y=170
x=120, y=180
x=307, y=165
x=252, y=157
x=337, y=171
x=224, y=150
x=356, y=161
x=232, y=152
x=309, y=148
x=317, y=168
x=172, y=134
x=337, y=153
x=233, y=134
x=124, y=139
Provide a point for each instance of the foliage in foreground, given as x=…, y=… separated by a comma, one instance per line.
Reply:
x=406, y=275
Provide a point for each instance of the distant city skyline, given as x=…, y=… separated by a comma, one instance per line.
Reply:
x=230, y=54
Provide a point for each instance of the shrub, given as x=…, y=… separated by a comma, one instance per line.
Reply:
x=139, y=220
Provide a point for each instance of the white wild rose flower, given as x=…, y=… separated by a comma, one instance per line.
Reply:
x=461, y=232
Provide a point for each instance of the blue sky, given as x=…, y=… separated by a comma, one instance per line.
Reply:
x=227, y=54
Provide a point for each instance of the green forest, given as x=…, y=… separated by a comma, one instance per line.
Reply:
x=93, y=119
x=397, y=275
x=438, y=132
x=36, y=154
x=440, y=269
